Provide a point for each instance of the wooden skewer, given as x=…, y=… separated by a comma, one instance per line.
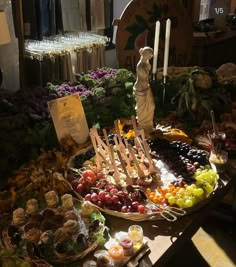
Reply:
x=106, y=137
x=129, y=180
x=152, y=169
x=98, y=163
x=122, y=151
x=98, y=138
x=101, y=154
x=116, y=142
x=135, y=128
x=140, y=171
x=116, y=172
x=142, y=134
x=122, y=147
x=138, y=143
x=127, y=157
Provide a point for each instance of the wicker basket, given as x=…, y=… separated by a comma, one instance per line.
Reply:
x=136, y=216
x=59, y=258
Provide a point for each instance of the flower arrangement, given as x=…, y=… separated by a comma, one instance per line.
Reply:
x=106, y=94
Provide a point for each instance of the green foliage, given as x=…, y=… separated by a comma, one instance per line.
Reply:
x=97, y=216
x=193, y=104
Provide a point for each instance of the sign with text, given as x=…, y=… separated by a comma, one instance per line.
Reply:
x=136, y=29
x=219, y=8
x=69, y=118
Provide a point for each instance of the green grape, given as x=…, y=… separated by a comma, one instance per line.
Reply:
x=212, y=172
x=194, y=199
x=188, y=203
x=198, y=192
x=172, y=200
x=181, y=191
x=180, y=202
x=211, y=179
x=207, y=167
x=168, y=195
x=208, y=188
x=193, y=186
x=189, y=189
x=197, y=172
x=199, y=180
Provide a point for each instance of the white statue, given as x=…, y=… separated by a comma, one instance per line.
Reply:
x=145, y=104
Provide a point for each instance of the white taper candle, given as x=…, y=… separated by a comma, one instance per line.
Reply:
x=156, y=45
x=167, y=44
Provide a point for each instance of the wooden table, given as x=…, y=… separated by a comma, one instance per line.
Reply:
x=166, y=238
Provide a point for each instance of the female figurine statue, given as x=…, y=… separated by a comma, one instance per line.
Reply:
x=145, y=104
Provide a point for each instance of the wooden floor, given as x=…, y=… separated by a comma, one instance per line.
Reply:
x=214, y=245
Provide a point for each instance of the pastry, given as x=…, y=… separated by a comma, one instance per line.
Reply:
x=71, y=226
x=18, y=216
x=48, y=224
x=47, y=237
x=51, y=198
x=61, y=235
x=67, y=201
x=31, y=225
x=37, y=218
x=47, y=213
x=70, y=215
x=33, y=235
x=58, y=219
x=32, y=206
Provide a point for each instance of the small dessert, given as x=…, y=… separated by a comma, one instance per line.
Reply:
x=47, y=237
x=104, y=260
x=51, y=198
x=127, y=244
x=116, y=252
x=67, y=201
x=58, y=219
x=32, y=206
x=37, y=218
x=48, y=224
x=61, y=235
x=18, y=216
x=71, y=226
x=33, y=235
x=47, y=213
x=70, y=215
x=31, y=225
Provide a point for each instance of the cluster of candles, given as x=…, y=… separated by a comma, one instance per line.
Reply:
x=156, y=46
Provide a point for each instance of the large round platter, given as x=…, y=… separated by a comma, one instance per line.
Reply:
x=70, y=234
x=154, y=211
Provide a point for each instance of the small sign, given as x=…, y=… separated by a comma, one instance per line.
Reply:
x=69, y=118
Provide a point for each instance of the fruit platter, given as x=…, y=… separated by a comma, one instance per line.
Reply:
x=55, y=230
x=142, y=178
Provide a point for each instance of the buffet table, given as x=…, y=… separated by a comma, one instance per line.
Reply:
x=166, y=238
